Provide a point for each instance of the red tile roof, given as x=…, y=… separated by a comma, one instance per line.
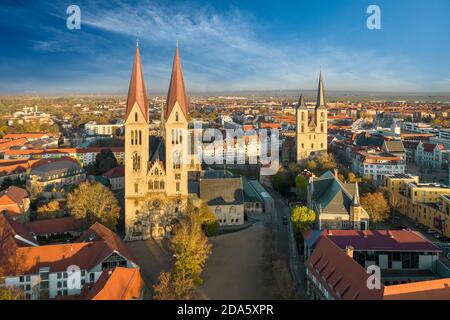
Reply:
x=339, y=274
x=116, y=172
x=423, y=290
x=116, y=284
x=13, y=195
x=55, y=226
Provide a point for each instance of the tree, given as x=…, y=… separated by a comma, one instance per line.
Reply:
x=209, y=220
x=6, y=183
x=301, y=186
x=48, y=210
x=376, y=206
x=172, y=287
x=351, y=177
x=311, y=165
x=302, y=219
x=93, y=202
x=191, y=247
x=282, y=181
x=105, y=160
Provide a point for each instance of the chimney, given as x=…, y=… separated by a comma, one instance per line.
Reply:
x=349, y=251
x=390, y=234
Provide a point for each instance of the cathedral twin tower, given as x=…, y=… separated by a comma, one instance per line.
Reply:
x=153, y=165
x=156, y=168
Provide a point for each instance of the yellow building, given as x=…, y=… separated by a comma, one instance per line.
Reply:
x=425, y=203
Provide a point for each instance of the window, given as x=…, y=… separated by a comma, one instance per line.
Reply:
x=178, y=187
x=218, y=210
x=161, y=184
x=176, y=116
x=150, y=185
x=140, y=137
x=136, y=187
x=135, y=117
x=232, y=211
x=132, y=137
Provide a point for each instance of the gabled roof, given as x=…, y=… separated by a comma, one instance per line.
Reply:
x=176, y=92
x=116, y=172
x=394, y=146
x=116, y=284
x=340, y=275
x=55, y=226
x=137, y=93
x=223, y=191
x=13, y=195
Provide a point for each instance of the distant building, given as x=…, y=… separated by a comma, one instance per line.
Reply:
x=116, y=177
x=312, y=129
x=52, y=178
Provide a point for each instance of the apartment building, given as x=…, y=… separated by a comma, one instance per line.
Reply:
x=426, y=203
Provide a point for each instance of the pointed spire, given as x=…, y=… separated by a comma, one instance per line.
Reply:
x=137, y=93
x=320, y=92
x=301, y=102
x=176, y=92
x=355, y=200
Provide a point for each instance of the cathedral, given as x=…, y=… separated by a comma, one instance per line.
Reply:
x=156, y=167
x=311, y=131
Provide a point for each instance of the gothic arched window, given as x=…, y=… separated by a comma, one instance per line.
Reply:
x=132, y=137
x=135, y=117
x=140, y=137
x=321, y=127
x=176, y=116
x=232, y=210
x=161, y=184
x=150, y=185
x=136, y=162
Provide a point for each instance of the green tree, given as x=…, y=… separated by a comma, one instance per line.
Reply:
x=6, y=183
x=301, y=186
x=302, y=219
x=376, y=206
x=282, y=181
x=105, y=160
x=93, y=202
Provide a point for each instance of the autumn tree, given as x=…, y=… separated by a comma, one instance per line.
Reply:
x=302, y=219
x=191, y=247
x=376, y=206
x=93, y=202
x=208, y=220
x=311, y=165
x=48, y=210
x=301, y=185
x=172, y=286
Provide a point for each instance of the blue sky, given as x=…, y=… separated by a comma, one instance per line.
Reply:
x=225, y=45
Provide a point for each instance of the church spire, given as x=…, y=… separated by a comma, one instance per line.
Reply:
x=301, y=102
x=355, y=200
x=320, y=93
x=137, y=93
x=176, y=92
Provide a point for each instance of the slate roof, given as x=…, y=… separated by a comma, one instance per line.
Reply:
x=331, y=195
x=224, y=191
x=50, y=168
